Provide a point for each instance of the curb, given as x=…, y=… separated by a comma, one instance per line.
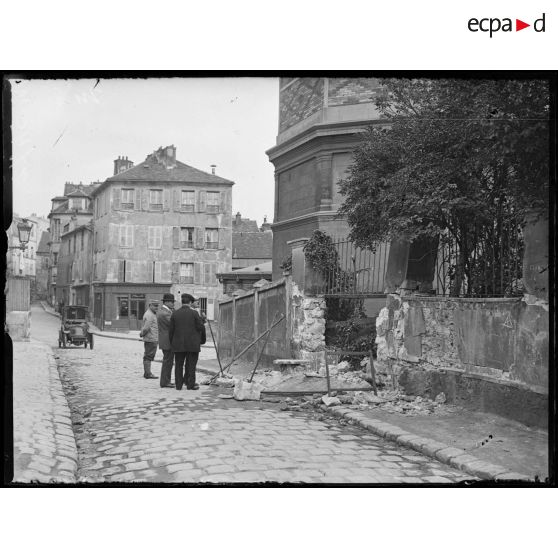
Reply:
x=49, y=310
x=65, y=417
x=454, y=457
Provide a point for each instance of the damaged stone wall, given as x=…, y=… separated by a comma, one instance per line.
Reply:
x=308, y=325
x=503, y=341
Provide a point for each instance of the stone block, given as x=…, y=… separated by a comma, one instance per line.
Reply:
x=19, y=325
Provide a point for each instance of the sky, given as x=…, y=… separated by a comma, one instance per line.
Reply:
x=72, y=130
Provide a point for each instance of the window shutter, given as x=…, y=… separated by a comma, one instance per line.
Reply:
x=149, y=274
x=207, y=274
x=165, y=270
x=201, y=201
x=137, y=205
x=158, y=277
x=175, y=272
x=129, y=265
x=221, y=237
x=223, y=202
x=176, y=237
x=177, y=201
x=199, y=240
x=166, y=199
x=116, y=198
x=198, y=273
x=120, y=271
x=144, y=199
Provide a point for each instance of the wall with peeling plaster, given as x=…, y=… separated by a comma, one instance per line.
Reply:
x=499, y=341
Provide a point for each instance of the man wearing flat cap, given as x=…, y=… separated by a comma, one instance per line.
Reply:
x=185, y=333
x=163, y=322
x=150, y=335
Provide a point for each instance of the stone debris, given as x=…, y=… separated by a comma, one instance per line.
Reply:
x=224, y=382
x=244, y=390
x=330, y=401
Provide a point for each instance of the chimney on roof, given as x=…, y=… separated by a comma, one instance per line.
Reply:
x=213, y=167
x=166, y=156
x=238, y=218
x=265, y=225
x=122, y=164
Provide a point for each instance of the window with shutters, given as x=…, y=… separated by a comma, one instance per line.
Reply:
x=155, y=237
x=186, y=237
x=126, y=236
x=77, y=203
x=156, y=200
x=188, y=200
x=128, y=195
x=211, y=239
x=213, y=202
x=186, y=272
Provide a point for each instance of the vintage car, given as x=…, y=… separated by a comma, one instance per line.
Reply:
x=74, y=329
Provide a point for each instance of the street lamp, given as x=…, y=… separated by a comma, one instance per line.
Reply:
x=23, y=231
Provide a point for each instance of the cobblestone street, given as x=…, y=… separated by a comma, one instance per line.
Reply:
x=129, y=429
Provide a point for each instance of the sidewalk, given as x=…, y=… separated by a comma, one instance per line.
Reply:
x=44, y=444
x=510, y=450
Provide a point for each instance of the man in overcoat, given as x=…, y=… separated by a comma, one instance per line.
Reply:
x=150, y=335
x=185, y=333
x=163, y=321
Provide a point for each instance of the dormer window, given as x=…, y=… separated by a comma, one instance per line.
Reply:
x=77, y=203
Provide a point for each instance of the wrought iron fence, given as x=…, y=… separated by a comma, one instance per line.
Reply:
x=359, y=271
x=488, y=263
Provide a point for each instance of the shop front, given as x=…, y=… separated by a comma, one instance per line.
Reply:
x=120, y=307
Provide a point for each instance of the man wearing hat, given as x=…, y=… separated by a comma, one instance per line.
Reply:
x=163, y=322
x=185, y=333
x=150, y=335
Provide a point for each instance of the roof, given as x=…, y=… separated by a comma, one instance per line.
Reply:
x=43, y=243
x=258, y=270
x=245, y=225
x=80, y=189
x=252, y=244
x=264, y=267
x=153, y=171
x=77, y=229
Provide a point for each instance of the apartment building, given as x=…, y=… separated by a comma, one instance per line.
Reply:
x=159, y=226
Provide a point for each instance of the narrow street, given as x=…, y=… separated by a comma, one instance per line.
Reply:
x=129, y=429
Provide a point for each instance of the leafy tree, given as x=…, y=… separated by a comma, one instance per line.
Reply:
x=459, y=161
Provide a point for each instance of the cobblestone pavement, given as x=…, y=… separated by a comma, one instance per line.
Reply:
x=129, y=429
x=44, y=445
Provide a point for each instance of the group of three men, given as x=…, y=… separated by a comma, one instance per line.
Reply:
x=179, y=334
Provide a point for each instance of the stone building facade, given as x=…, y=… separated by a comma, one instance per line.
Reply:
x=74, y=205
x=159, y=226
x=74, y=264
x=320, y=120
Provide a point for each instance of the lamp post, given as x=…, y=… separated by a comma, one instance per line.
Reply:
x=24, y=232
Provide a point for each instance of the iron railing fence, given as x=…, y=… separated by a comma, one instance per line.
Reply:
x=486, y=263
x=359, y=271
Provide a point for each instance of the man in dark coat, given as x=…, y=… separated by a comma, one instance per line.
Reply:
x=163, y=321
x=185, y=332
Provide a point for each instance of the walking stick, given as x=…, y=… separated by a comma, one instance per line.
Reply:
x=216, y=349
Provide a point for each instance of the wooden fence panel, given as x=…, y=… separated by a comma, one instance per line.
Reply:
x=18, y=294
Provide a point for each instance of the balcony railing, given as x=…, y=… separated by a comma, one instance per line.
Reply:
x=187, y=207
x=211, y=245
x=184, y=244
x=212, y=209
x=186, y=279
x=156, y=206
